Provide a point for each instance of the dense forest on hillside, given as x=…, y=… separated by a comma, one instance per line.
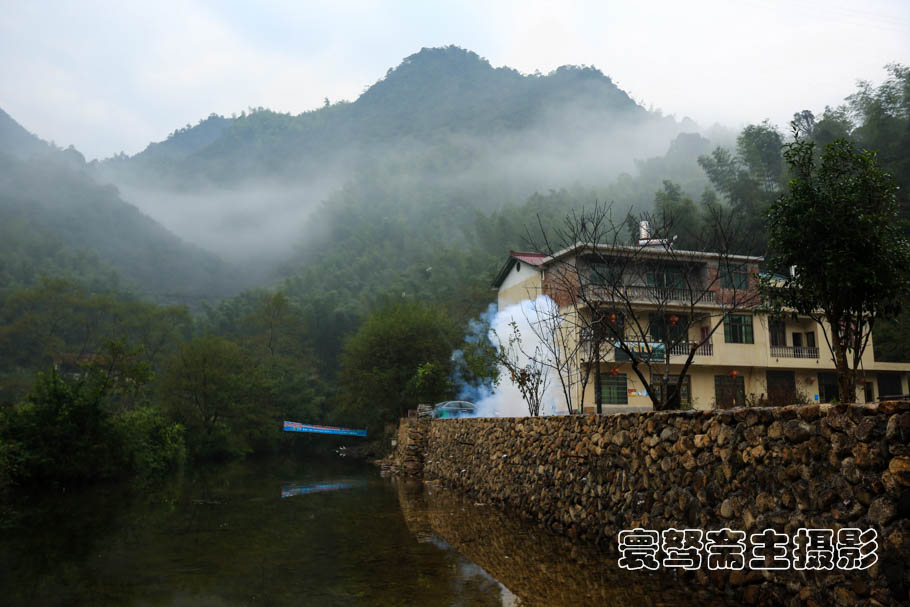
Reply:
x=363, y=224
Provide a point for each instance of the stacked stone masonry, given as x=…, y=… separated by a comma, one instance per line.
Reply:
x=589, y=477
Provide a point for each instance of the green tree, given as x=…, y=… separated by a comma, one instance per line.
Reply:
x=381, y=360
x=750, y=179
x=838, y=228
x=213, y=390
x=72, y=426
x=677, y=212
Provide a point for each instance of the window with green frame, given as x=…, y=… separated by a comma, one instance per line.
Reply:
x=613, y=389
x=602, y=274
x=666, y=279
x=735, y=277
x=738, y=329
x=661, y=329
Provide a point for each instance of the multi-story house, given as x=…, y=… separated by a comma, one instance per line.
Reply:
x=665, y=304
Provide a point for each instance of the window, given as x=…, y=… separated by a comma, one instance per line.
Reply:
x=778, y=333
x=810, y=339
x=705, y=333
x=797, y=340
x=684, y=389
x=662, y=330
x=601, y=274
x=738, y=329
x=666, y=279
x=735, y=277
x=613, y=389
x=610, y=325
x=729, y=391
x=598, y=274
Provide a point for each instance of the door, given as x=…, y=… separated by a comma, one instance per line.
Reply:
x=827, y=387
x=778, y=333
x=868, y=391
x=781, y=388
x=797, y=340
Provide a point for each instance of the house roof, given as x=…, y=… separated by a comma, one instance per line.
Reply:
x=539, y=259
x=530, y=258
x=652, y=251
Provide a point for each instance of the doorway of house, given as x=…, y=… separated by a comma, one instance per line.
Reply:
x=827, y=387
x=781, y=388
x=868, y=391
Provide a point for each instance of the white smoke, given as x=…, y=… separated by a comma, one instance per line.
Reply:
x=505, y=400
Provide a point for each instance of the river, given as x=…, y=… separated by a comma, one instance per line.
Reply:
x=318, y=532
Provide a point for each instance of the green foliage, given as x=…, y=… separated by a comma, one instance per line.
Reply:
x=679, y=216
x=210, y=388
x=838, y=225
x=59, y=322
x=57, y=221
x=152, y=444
x=387, y=352
x=65, y=430
x=749, y=180
x=430, y=384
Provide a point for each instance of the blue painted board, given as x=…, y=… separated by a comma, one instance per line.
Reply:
x=298, y=427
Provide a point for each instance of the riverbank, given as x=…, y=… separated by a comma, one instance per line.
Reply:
x=586, y=477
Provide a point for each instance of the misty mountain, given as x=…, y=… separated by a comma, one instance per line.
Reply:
x=16, y=141
x=444, y=133
x=435, y=93
x=56, y=220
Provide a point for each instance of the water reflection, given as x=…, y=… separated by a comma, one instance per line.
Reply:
x=533, y=566
x=225, y=537
x=293, y=489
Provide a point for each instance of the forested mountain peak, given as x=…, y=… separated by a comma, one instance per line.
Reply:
x=456, y=89
x=431, y=92
x=16, y=141
x=190, y=138
x=56, y=220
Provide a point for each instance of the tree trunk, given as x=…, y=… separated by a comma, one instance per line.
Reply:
x=846, y=377
x=598, y=393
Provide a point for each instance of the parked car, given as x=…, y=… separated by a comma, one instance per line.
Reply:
x=452, y=408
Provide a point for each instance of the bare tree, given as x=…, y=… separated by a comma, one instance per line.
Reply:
x=646, y=303
x=527, y=369
x=556, y=335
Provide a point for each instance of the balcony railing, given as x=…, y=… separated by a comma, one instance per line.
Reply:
x=654, y=294
x=611, y=353
x=794, y=352
x=683, y=348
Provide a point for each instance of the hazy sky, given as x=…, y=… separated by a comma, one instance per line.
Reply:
x=111, y=76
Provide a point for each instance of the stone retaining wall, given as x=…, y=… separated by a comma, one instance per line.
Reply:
x=407, y=460
x=787, y=468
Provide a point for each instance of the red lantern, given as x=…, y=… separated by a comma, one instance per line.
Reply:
x=673, y=320
x=614, y=371
x=612, y=319
x=734, y=373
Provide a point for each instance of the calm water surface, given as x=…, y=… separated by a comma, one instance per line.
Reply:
x=285, y=532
